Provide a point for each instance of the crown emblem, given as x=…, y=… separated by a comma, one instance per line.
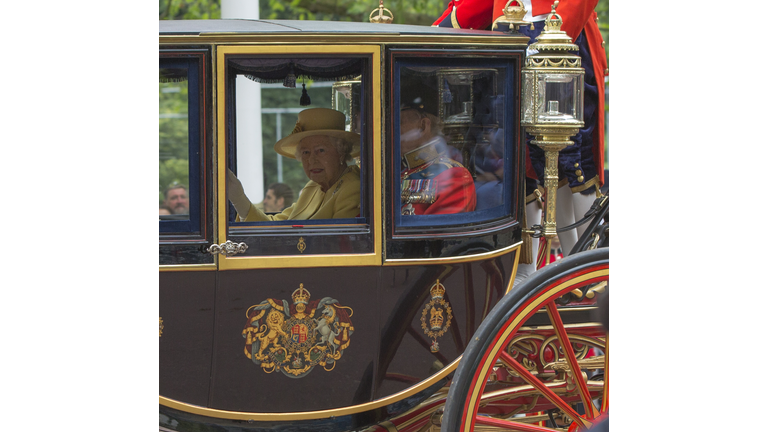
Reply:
x=381, y=18
x=436, y=319
x=554, y=21
x=437, y=291
x=440, y=315
x=301, y=295
x=515, y=13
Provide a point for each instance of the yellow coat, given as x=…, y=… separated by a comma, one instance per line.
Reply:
x=341, y=201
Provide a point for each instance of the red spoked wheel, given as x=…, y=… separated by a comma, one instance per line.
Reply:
x=539, y=361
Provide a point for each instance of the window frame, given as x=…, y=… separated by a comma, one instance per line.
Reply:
x=183, y=242
x=192, y=64
x=431, y=226
x=288, y=232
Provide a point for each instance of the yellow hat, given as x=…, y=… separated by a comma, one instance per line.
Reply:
x=317, y=121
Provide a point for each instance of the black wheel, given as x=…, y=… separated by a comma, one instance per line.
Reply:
x=526, y=365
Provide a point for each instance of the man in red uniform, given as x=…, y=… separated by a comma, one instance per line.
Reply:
x=431, y=182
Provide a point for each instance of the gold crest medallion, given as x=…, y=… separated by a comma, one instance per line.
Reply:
x=436, y=316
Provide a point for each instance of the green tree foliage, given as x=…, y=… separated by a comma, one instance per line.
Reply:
x=602, y=23
x=190, y=9
x=421, y=12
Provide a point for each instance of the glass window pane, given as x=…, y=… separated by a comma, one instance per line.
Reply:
x=453, y=144
x=174, y=144
x=296, y=144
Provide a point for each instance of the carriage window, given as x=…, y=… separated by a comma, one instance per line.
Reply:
x=295, y=148
x=454, y=139
x=179, y=143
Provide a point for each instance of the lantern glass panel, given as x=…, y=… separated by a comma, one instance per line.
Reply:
x=345, y=98
x=558, y=99
x=529, y=104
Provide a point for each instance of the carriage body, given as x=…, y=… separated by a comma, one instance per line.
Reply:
x=337, y=324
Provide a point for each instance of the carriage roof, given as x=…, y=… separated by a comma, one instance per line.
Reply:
x=244, y=26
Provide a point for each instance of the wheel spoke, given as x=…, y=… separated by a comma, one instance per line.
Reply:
x=546, y=391
x=570, y=356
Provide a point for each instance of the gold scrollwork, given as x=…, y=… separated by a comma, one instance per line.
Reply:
x=532, y=351
x=547, y=62
x=161, y=327
x=580, y=345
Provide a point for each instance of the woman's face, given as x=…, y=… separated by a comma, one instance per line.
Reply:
x=321, y=162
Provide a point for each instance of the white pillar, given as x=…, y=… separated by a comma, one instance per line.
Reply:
x=240, y=9
x=249, y=153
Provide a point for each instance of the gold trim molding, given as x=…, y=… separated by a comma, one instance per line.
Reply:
x=373, y=258
x=454, y=260
x=188, y=267
x=310, y=415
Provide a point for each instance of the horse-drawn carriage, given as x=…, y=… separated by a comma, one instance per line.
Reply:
x=391, y=317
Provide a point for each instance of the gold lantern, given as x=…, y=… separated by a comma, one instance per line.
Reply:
x=553, y=103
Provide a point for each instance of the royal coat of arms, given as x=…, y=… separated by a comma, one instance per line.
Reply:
x=295, y=338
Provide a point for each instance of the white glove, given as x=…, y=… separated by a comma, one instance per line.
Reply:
x=237, y=194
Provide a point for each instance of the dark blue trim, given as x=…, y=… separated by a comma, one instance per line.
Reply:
x=506, y=120
x=365, y=162
x=195, y=152
x=290, y=222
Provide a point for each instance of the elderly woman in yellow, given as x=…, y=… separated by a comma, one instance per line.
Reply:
x=322, y=145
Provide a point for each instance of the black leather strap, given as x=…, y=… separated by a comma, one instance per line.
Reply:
x=599, y=204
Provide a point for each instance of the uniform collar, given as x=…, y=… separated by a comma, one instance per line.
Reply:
x=424, y=154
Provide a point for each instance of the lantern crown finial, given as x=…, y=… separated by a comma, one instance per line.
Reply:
x=552, y=38
x=554, y=21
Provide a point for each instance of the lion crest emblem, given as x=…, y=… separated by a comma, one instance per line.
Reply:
x=297, y=337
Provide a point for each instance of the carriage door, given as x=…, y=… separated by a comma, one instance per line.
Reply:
x=306, y=270
x=453, y=200
x=187, y=272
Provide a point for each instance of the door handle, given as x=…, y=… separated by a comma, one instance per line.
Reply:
x=228, y=248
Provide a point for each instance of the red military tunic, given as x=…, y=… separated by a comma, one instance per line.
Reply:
x=433, y=183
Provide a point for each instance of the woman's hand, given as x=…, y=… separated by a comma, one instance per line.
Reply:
x=237, y=194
